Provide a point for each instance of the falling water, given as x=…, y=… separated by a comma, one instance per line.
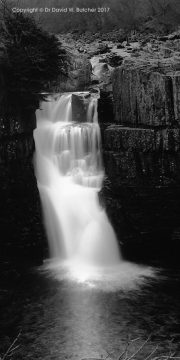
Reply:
x=69, y=171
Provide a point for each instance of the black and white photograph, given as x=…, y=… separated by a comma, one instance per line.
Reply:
x=89, y=180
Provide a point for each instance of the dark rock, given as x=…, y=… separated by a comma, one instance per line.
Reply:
x=22, y=233
x=114, y=60
x=105, y=108
x=81, y=50
x=80, y=103
x=163, y=38
x=146, y=154
x=141, y=150
x=142, y=196
x=102, y=49
x=79, y=108
x=135, y=54
x=120, y=46
x=94, y=81
x=146, y=94
x=145, y=140
x=93, y=90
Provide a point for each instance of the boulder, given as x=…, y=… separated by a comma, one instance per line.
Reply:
x=114, y=60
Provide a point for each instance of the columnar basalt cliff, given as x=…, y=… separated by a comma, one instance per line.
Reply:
x=142, y=158
x=22, y=235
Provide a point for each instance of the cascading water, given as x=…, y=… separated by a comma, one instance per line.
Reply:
x=69, y=171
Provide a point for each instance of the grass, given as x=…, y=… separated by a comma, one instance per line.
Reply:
x=11, y=349
x=153, y=354
x=124, y=355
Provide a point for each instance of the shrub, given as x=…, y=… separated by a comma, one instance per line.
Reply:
x=32, y=59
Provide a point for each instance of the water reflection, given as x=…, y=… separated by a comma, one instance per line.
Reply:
x=72, y=318
x=86, y=320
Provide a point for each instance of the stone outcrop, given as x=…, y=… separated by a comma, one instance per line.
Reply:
x=141, y=150
x=147, y=94
x=80, y=104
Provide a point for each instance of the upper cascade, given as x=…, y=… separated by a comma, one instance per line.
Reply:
x=74, y=147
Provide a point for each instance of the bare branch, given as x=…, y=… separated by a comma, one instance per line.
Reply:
x=10, y=349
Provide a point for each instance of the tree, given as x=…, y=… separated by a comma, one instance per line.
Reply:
x=32, y=58
x=159, y=7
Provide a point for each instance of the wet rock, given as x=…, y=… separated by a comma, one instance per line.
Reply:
x=100, y=69
x=79, y=108
x=80, y=104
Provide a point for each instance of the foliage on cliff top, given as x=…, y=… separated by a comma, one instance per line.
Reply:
x=31, y=59
x=122, y=14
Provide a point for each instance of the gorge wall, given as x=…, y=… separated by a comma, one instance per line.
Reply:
x=141, y=142
x=139, y=112
x=23, y=238
x=22, y=234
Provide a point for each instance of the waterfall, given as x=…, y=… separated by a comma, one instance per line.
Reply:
x=69, y=171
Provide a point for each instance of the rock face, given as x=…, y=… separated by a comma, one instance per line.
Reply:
x=142, y=160
x=146, y=95
x=80, y=104
x=22, y=235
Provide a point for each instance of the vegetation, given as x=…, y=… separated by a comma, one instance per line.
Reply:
x=122, y=14
x=11, y=349
x=30, y=59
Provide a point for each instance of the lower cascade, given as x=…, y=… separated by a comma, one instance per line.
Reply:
x=69, y=171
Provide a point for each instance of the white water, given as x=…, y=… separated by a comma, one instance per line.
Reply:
x=69, y=171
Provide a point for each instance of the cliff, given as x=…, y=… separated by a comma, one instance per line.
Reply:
x=142, y=158
x=22, y=235
x=147, y=93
